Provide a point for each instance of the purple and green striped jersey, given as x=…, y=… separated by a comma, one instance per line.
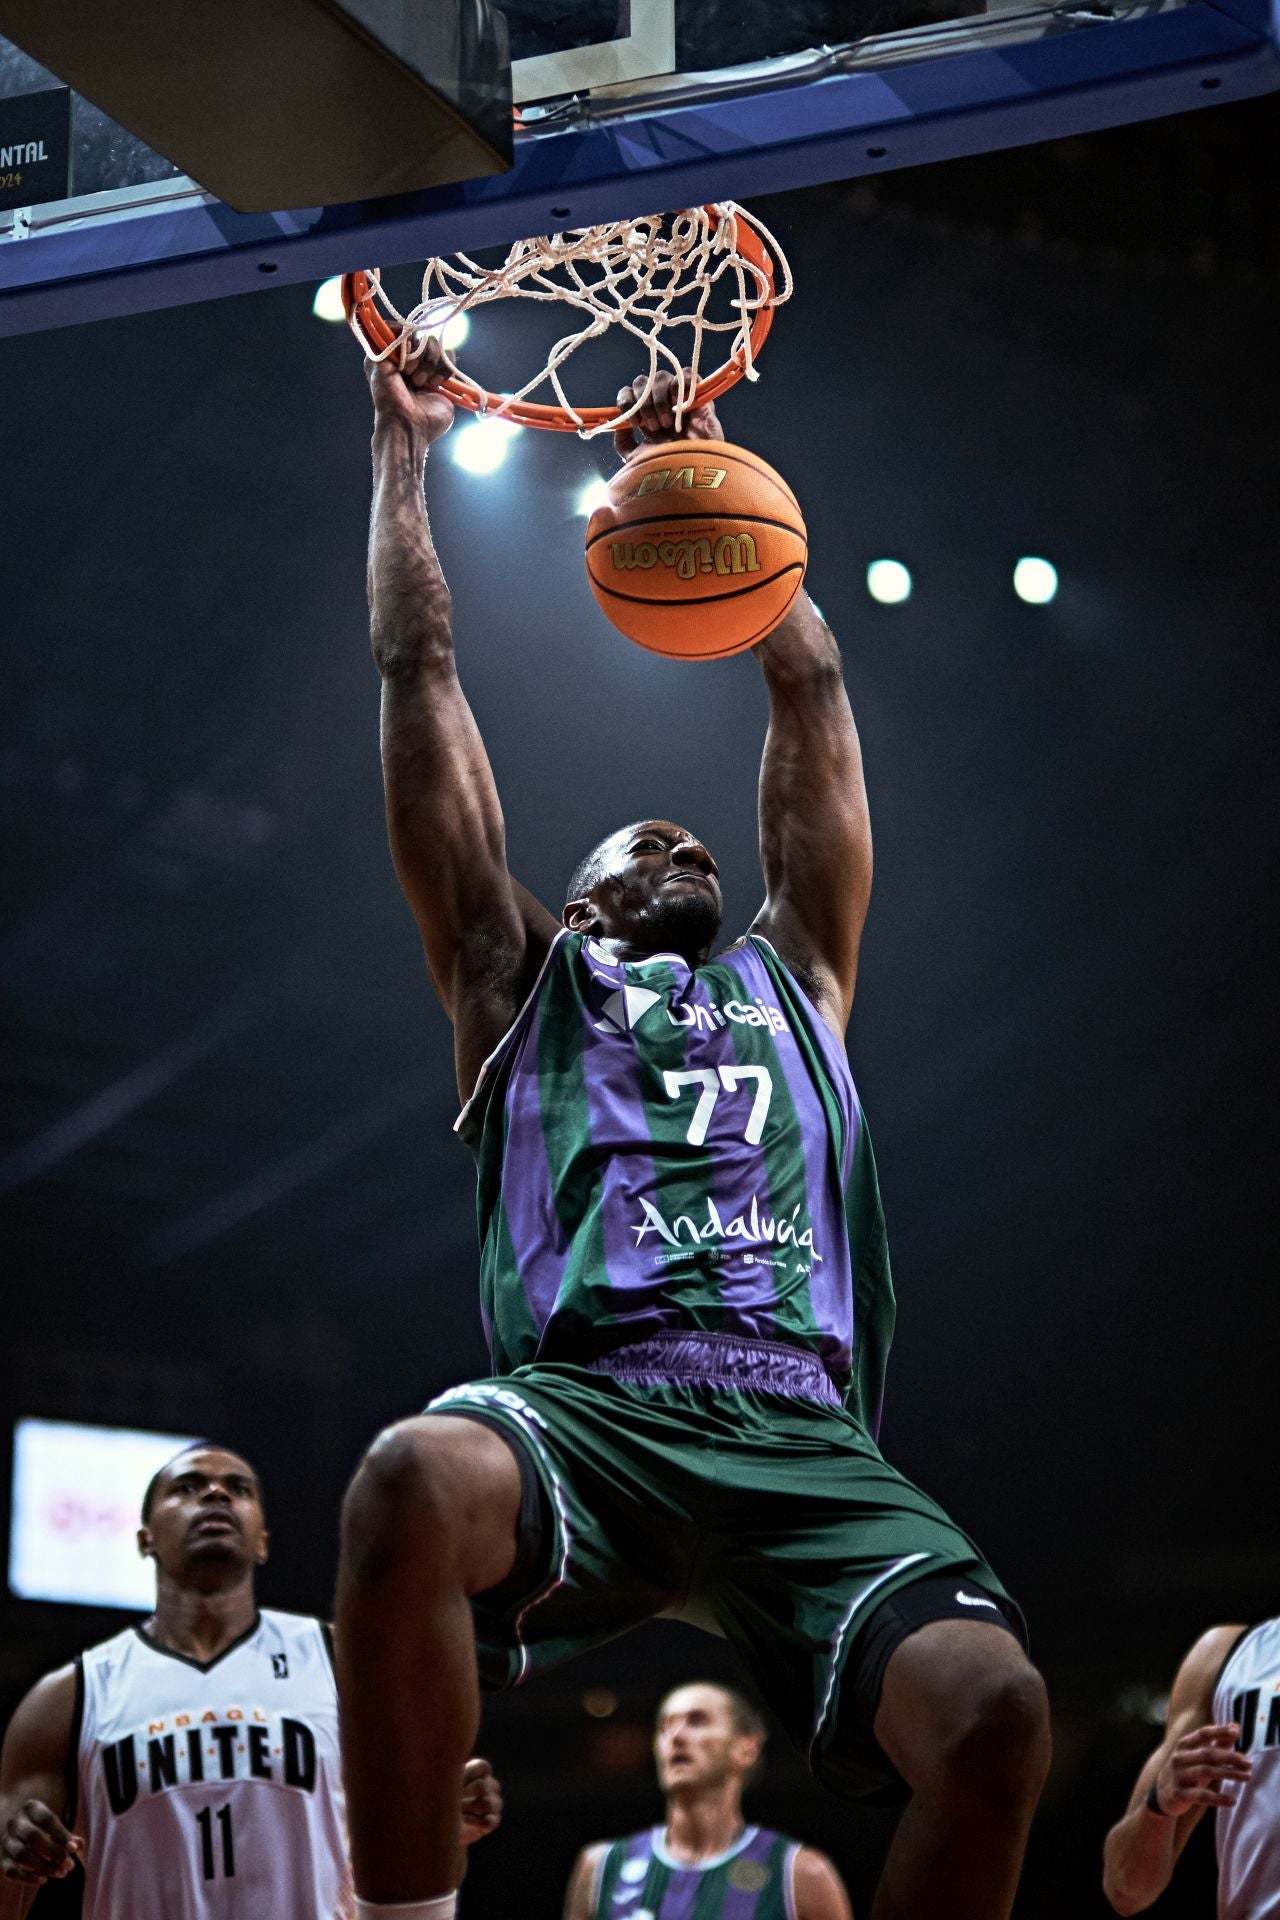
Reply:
x=637, y=1879
x=668, y=1150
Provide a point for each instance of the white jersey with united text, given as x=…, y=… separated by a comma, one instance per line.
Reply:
x=1248, y=1693
x=213, y=1792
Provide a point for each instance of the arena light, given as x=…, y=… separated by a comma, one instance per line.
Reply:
x=327, y=304
x=451, y=328
x=482, y=445
x=889, y=582
x=77, y=1492
x=1035, y=581
x=594, y=494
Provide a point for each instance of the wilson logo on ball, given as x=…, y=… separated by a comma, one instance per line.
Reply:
x=732, y=553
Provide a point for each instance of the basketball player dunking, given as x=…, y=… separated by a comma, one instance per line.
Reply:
x=686, y=1285
x=705, y=1859
x=191, y=1763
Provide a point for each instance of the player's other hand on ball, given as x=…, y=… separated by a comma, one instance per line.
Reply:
x=656, y=420
x=35, y=1846
x=414, y=396
x=481, y=1801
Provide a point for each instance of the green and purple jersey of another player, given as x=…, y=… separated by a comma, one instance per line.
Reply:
x=663, y=1150
x=637, y=1879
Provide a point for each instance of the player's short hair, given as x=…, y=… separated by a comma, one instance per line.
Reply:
x=196, y=1446
x=591, y=869
x=743, y=1715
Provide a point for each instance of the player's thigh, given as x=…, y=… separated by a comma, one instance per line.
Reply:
x=807, y=1581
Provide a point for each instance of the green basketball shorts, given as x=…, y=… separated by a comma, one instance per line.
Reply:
x=772, y=1521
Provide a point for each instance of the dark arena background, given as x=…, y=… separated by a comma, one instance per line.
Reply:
x=231, y=1201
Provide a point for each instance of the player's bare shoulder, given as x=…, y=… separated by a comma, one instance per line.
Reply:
x=1197, y=1677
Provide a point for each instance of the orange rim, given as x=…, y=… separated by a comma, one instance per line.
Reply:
x=375, y=334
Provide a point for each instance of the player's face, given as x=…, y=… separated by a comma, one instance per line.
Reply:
x=206, y=1517
x=696, y=1745
x=662, y=889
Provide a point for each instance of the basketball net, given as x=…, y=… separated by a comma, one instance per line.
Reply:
x=652, y=277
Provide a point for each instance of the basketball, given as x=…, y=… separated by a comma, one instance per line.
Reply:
x=699, y=550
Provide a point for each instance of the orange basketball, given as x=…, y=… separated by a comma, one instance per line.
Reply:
x=698, y=551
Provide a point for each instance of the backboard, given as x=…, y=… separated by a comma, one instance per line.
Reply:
x=641, y=106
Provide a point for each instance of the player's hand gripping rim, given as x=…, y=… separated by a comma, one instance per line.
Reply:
x=656, y=420
x=412, y=395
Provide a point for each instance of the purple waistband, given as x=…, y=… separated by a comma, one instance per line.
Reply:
x=721, y=1360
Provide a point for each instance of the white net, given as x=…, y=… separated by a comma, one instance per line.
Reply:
x=656, y=277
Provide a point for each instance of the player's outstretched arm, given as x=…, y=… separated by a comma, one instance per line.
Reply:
x=484, y=936
x=815, y=830
x=1194, y=1767
x=817, y=1889
x=35, y=1845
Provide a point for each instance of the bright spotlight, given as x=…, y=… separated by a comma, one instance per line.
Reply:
x=1035, y=581
x=450, y=328
x=327, y=304
x=594, y=494
x=482, y=445
x=889, y=582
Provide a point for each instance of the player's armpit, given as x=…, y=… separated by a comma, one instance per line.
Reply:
x=817, y=1889
x=815, y=831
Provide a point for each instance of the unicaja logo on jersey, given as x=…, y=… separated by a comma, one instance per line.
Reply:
x=742, y=1013
x=624, y=1009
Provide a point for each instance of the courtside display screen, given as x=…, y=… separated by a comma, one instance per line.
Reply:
x=77, y=1492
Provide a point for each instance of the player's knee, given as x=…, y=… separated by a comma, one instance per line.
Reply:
x=996, y=1744
x=401, y=1508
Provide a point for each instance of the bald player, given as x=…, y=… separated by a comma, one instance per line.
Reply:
x=190, y=1764
x=706, y=1858
x=684, y=1277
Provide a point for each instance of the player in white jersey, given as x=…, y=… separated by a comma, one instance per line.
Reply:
x=1221, y=1749
x=191, y=1763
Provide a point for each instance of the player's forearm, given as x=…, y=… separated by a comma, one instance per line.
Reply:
x=811, y=783
x=801, y=648
x=1138, y=1859
x=410, y=618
